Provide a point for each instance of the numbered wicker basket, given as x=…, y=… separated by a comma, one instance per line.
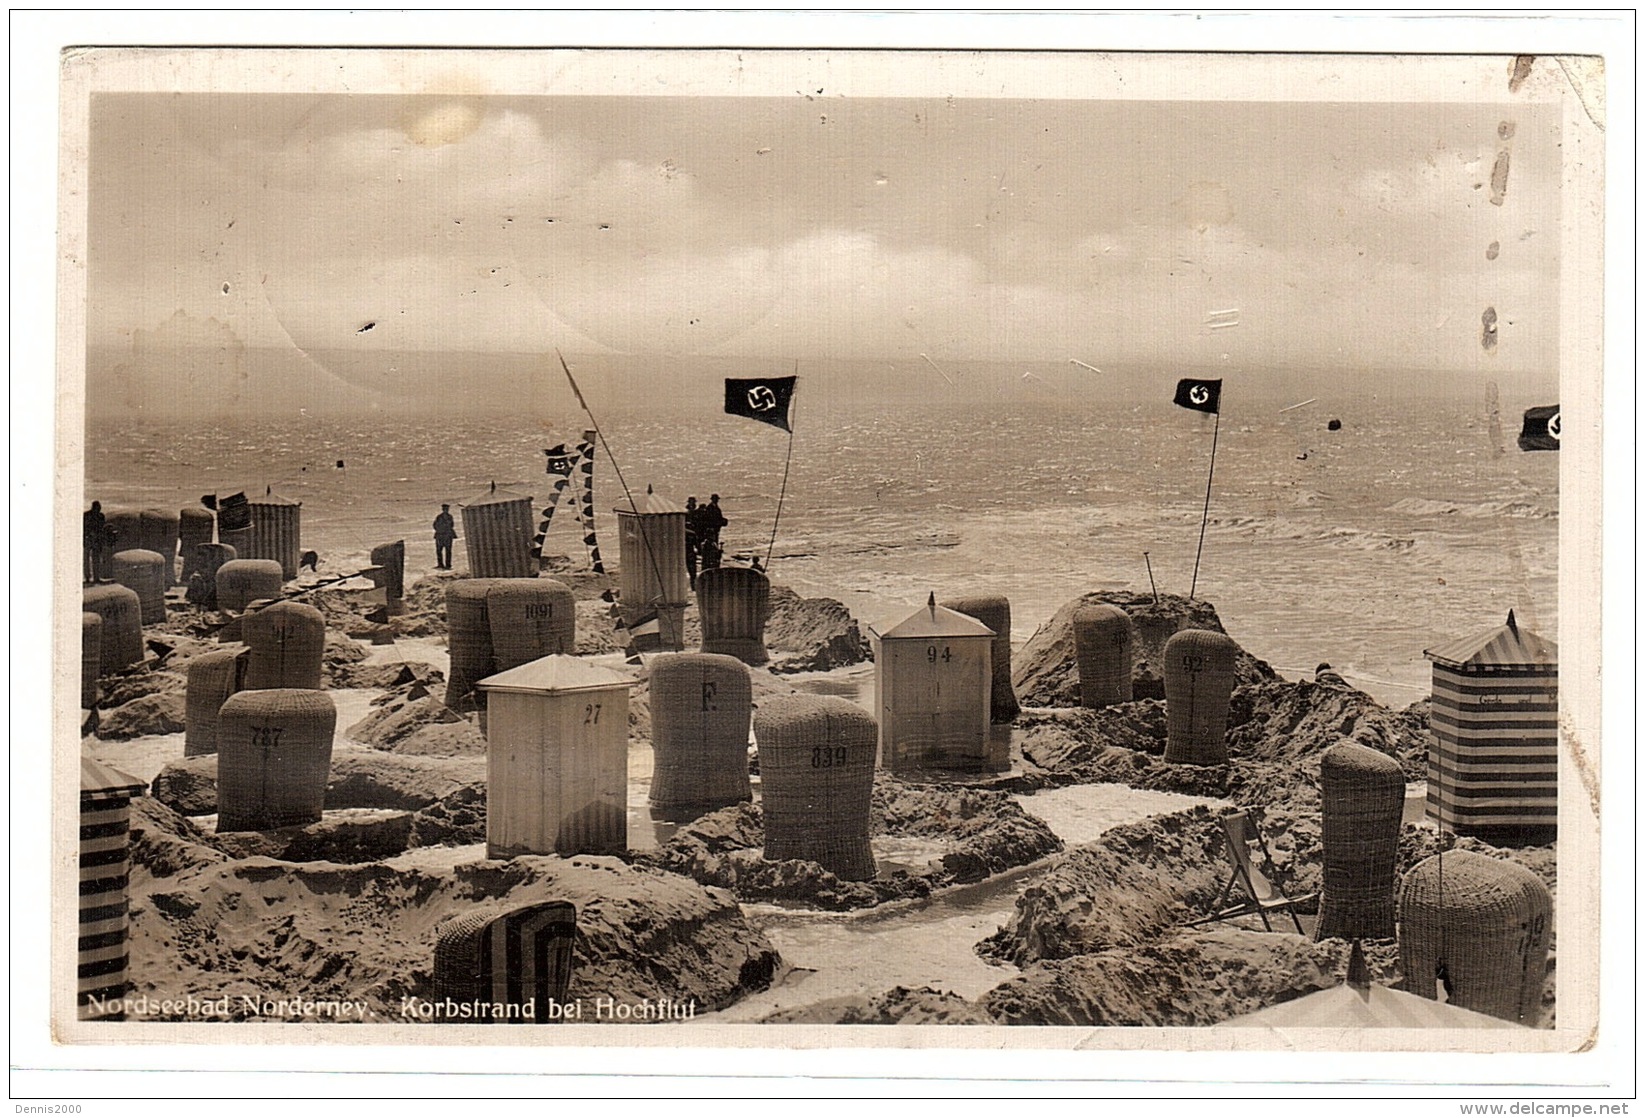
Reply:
x=530, y=618
x=241, y=582
x=817, y=782
x=1485, y=923
x=273, y=759
x=1103, y=651
x=468, y=635
x=701, y=706
x=121, y=639
x=143, y=573
x=212, y=679
x=287, y=641
x=520, y=960
x=1199, y=680
x=1362, y=797
x=994, y=611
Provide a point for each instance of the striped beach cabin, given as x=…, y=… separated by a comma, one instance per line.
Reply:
x=105, y=866
x=1493, y=770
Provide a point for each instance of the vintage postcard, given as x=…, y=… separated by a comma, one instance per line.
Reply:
x=736, y=549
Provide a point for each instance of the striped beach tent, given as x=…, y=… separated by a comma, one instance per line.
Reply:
x=1493, y=770
x=105, y=865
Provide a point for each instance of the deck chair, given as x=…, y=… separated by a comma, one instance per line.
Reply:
x=1242, y=839
x=516, y=958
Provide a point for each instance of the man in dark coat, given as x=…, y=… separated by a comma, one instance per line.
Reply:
x=445, y=531
x=94, y=533
x=693, y=514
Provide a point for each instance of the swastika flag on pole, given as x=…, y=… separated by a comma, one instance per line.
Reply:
x=763, y=398
x=1199, y=395
x=1541, y=430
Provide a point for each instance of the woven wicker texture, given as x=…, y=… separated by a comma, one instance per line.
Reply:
x=122, y=614
x=243, y=581
x=127, y=527
x=468, y=635
x=91, y=657
x=530, y=618
x=521, y=958
x=273, y=759
x=1362, y=797
x=276, y=533
x=499, y=535
x=194, y=527
x=212, y=678
x=734, y=604
x=143, y=573
x=391, y=558
x=237, y=538
x=817, y=781
x=1199, y=679
x=1486, y=922
x=158, y=529
x=1103, y=650
x=287, y=642
x=701, y=706
x=994, y=611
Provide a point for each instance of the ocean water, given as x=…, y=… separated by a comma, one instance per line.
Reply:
x=1416, y=522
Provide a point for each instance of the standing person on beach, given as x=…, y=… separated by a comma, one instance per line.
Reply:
x=710, y=520
x=693, y=515
x=445, y=531
x=94, y=535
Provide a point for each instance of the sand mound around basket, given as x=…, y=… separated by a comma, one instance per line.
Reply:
x=360, y=778
x=257, y=928
x=347, y=836
x=1132, y=885
x=1046, y=670
x=812, y=634
x=968, y=834
x=1277, y=732
x=1195, y=978
x=161, y=713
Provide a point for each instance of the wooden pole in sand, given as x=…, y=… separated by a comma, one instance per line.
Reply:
x=1206, y=512
x=786, y=461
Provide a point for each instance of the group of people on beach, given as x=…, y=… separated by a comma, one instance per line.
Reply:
x=702, y=535
x=703, y=524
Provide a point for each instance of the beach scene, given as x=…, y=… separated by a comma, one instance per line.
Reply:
x=795, y=558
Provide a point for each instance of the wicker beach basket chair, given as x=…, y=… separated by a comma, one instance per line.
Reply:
x=243, y=581
x=817, y=756
x=121, y=639
x=530, y=618
x=701, y=707
x=91, y=657
x=1103, y=652
x=734, y=604
x=212, y=679
x=143, y=573
x=1199, y=680
x=273, y=759
x=1362, y=799
x=1482, y=923
x=468, y=636
x=994, y=611
x=194, y=528
x=287, y=641
x=521, y=958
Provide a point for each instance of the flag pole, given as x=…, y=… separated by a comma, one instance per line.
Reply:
x=577, y=392
x=786, y=461
x=1206, y=512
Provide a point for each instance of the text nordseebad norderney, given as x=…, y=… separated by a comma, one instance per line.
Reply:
x=246, y=1006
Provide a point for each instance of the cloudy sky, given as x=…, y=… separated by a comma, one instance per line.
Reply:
x=1346, y=235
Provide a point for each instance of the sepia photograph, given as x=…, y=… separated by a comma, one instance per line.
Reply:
x=736, y=549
